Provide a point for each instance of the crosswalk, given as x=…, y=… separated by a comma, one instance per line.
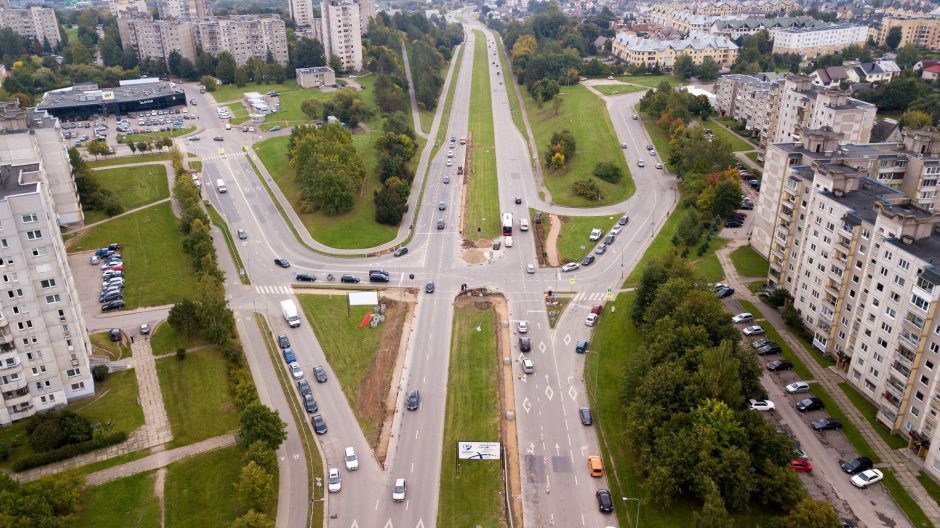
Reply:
x=590, y=296
x=224, y=155
x=274, y=290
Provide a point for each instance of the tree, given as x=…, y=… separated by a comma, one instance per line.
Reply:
x=713, y=513
x=80, y=53
x=608, y=171
x=390, y=207
x=707, y=70
x=55, y=429
x=587, y=189
x=312, y=108
x=225, y=67
x=253, y=519
x=133, y=146
x=893, y=38
x=183, y=318
x=811, y=513
x=690, y=227
x=173, y=62
x=915, y=119
x=907, y=56
x=261, y=454
x=684, y=68
x=900, y=93
x=242, y=76
x=258, y=423
x=561, y=143
x=727, y=198
x=98, y=147
x=556, y=104
x=50, y=502
x=308, y=53
x=208, y=82
x=328, y=168
x=255, y=487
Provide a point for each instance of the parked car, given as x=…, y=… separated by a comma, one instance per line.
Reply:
x=319, y=424
x=289, y=356
x=600, y=249
x=779, y=364
x=296, y=371
x=591, y=319
x=522, y=327
x=334, y=482
x=530, y=269
x=283, y=341
x=769, y=349
x=571, y=266
x=525, y=344
x=585, y=414
x=801, y=466
x=413, y=401
x=609, y=239
x=724, y=292
x=595, y=466
x=761, y=405
x=826, y=424
x=742, y=318
x=867, y=478
x=857, y=465
x=760, y=342
x=753, y=330
x=319, y=374
x=303, y=386
x=588, y=260
x=604, y=501
x=310, y=404
x=797, y=387
x=113, y=305
x=809, y=404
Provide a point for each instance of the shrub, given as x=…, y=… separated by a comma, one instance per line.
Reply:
x=608, y=171
x=4, y=450
x=69, y=451
x=99, y=373
x=587, y=189
x=181, y=354
x=777, y=298
x=52, y=430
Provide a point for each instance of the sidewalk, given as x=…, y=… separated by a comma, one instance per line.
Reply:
x=903, y=468
x=158, y=460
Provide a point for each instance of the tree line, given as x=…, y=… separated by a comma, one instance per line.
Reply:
x=91, y=195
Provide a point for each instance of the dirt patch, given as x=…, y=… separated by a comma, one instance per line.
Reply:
x=158, y=485
x=540, y=233
x=551, y=241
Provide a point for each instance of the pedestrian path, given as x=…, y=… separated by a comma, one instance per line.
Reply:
x=159, y=460
x=274, y=290
x=903, y=467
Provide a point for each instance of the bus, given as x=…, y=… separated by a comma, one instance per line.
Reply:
x=507, y=224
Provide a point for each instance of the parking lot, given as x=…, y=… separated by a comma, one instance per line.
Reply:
x=79, y=132
x=87, y=279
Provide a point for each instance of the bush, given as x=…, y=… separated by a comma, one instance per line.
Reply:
x=587, y=189
x=99, y=373
x=181, y=354
x=608, y=171
x=777, y=298
x=4, y=450
x=52, y=430
x=69, y=451
x=791, y=317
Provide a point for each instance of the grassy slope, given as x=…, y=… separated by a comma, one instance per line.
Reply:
x=482, y=209
x=127, y=160
x=125, y=503
x=473, y=499
x=158, y=271
x=585, y=115
x=349, y=349
x=200, y=490
x=617, y=89
x=102, y=345
x=737, y=144
x=197, y=396
x=133, y=186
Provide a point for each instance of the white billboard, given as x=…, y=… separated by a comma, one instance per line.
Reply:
x=478, y=450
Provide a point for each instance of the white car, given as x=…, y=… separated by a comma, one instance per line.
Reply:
x=399, y=490
x=742, y=317
x=528, y=366
x=523, y=327
x=616, y=229
x=641, y=163
x=352, y=461
x=530, y=269
x=334, y=481
x=595, y=235
x=450, y=153
x=591, y=319
x=797, y=387
x=571, y=266
x=296, y=371
x=761, y=405
x=450, y=162
x=867, y=478
x=753, y=330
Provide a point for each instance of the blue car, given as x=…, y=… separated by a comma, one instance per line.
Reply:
x=289, y=356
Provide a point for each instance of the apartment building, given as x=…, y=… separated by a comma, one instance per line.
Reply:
x=301, y=12
x=44, y=349
x=119, y=7
x=652, y=52
x=746, y=99
x=33, y=23
x=818, y=40
x=315, y=77
x=852, y=232
x=183, y=9
x=342, y=32
x=244, y=36
x=735, y=28
x=156, y=39
x=922, y=32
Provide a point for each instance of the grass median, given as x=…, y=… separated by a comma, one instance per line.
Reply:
x=150, y=137
x=482, y=210
x=573, y=239
x=219, y=222
x=471, y=493
x=135, y=159
x=165, y=340
x=904, y=501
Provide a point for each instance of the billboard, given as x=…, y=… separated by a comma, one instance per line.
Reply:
x=478, y=450
x=107, y=95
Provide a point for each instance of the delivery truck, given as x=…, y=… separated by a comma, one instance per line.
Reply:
x=289, y=309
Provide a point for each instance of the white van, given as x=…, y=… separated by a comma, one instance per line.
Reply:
x=228, y=126
x=508, y=241
x=220, y=186
x=523, y=224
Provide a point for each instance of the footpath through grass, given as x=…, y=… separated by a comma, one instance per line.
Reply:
x=129, y=160
x=585, y=115
x=158, y=271
x=472, y=495
x=749, y=263
x=133, y=187
x=737, y=144
x=200, y=491
x=165, y=340
x=350, y=350
x=197, y=396
x=124, y=503
x=482, y=209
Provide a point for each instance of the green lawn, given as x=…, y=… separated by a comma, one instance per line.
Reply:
x=231, y=92
x=731, y=124
x=133, y=186
x=159, y=272
x=737, y=144
x=617, y=89
x=150, y=136
x=904, y=500
x=749, y=262
x=573, y=243
x=869, y=411
x=753, y=156
x=103, y=346
x=474, y=497
x=197, y=397
x=195, y=165
x=774, y=335
x=128, y=160
x=88, y=469
x=349, y=349
x=585, y=115
x=482, y=211
x=661, y=245
x=931, y=485
x=651, y=81
x=200, y=490
x=708, y=264
x=124, y=503
x=165, y=340
x=115, y=402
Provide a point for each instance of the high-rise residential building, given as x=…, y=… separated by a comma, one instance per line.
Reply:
x=852, y=232
x=119, y=7
x=34, y=22
x=183, y=8
x=301, y=12
x=923, y=33
x=156, y=39
x=44, y=348
x=366, y=14
x=244, y=36
x=815, y=41
x=342, y=32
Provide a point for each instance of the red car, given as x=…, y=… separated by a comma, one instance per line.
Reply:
x=801, y=466
x=597, y=309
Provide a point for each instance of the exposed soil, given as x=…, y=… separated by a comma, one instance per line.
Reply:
x=540, y=252
x=551, y=243
x=158, y=485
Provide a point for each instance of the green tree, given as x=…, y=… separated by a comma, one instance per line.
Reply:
x=915, y=119
x=328, y=168
x=258, y=423
x=779, y=486
x=50, y=502
x=308, y=53
x=812, y=513
x=608, y=171
x=183, y=317
x=208, y=82
x=242, y=76
x=586, y=188
x=80, y=53
x=52, y=430
x=225, y=67
x=907, y=56
x=690, y=227
x=262, y=455
x=707, y=70
x=713, y=513
x=98, y=147
x=390, y=206
x=684, y=68
x=727, y=199
x=893, y=38
x=313, y=108
x=253, y=519
x=255, y=487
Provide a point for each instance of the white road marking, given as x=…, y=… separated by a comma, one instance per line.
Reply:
x=416, y=433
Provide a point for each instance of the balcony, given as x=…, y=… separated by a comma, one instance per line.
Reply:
x=786, y=212
x=894, y=384
x=10, y=396
x=843, y=243
x=14, y=385
x=835, y=273
x=900, y=368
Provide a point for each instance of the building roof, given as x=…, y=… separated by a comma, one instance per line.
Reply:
x=862, y=200
x=819, y=27
x=877, y=67
x=90, y=94
x=695, y=41
x=315, y=69
x=832, y=74
x=934, y=68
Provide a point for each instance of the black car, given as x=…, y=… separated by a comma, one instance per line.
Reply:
x=779, y=364
x=623, y=220
x=769, y=350
x=349, y=279
x=762, y=342
x=497, y=245
x=429, y=287
x=283, y=342
x=585, y=414
x=604, y=501
x=524, y=344
x=310, y=404
x=305, y=277
x=518, y=200
x=826, y=424
x=319, y=374
x=747, y=206
x=304, y=387
x=848, y=523
x=400, y=251
x=588, y=260
x=609, y=239
x=724, y=292
x=113, y=305
x=413, y=401
x=733, y=225
x=282, y=262
x=378, y=277
x=857, y=465
x=218, y=138
x=809, y=404
x=319, y=424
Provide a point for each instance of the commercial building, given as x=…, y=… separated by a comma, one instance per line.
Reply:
x=33, y=23
x=244, y=36
x=316, y=77
x=656, y=52
x=86, y=100
x=183, y=9
x=44, y=348
x=301, y=12
x=923, y=33
x=342, y=32
x=853, y=234
x=815, y=41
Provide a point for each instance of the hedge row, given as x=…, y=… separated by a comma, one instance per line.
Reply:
x=68, y=451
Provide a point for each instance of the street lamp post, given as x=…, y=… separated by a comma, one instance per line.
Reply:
x=625, y=499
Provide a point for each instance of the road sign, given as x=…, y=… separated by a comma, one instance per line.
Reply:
x=571, y=281
x=478, y=450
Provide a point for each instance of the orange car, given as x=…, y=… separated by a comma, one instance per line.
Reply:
x=595, y=466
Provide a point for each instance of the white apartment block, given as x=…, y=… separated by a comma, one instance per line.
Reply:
x=366, y=14
x=652, y=52
x=244, y=36
x=746, y=99
x=34, y=23
x=811, y=42
x=315, y=77
x=119, y=7
x=183, y=8
x=44, y=349
x=852, y=233
x=301, y=12
x=157, y=39
x=342, y=32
